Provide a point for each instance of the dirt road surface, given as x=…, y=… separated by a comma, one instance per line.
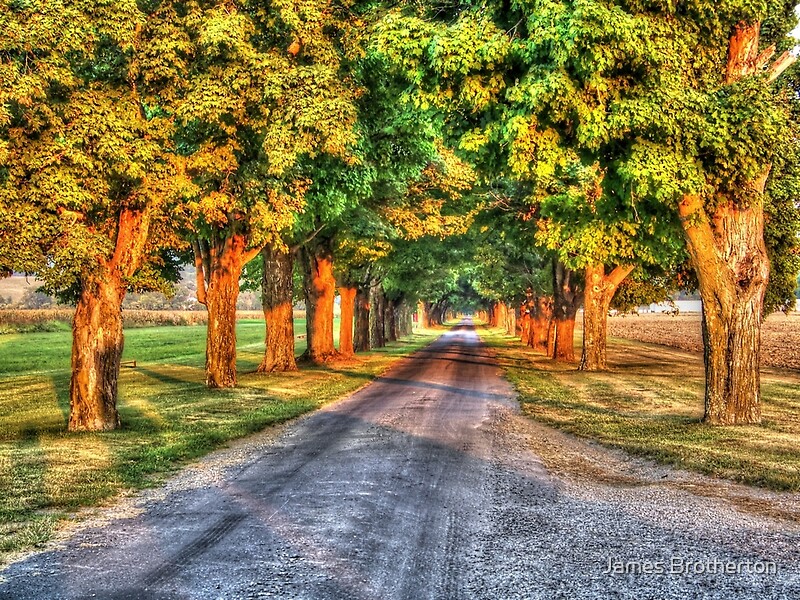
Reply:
x=425, y=484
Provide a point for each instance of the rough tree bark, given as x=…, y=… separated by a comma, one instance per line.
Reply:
x=501, y=314
x=362, y=310
x=566, y=302
x=319, y=286
x=97, y=336
x=276, y=296
x=729, y=256
x=219, y=265
x=389, y=321
x=405, y=318
x=599, y=290
x=377, y=314
x=427, y=314
x=347, y=294
x=511, y=319
x=540, y=322
x=732, y=269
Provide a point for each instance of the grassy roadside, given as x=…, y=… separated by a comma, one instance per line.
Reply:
x=169, y=417
x=650, y=405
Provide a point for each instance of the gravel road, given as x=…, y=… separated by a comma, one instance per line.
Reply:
x=426, y=484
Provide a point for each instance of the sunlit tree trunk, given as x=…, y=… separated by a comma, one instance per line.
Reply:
x=347, y=296
x=732, y=269
x=729, y=256
x=320, y=293
x=501, y=314
x=599, y=290
x=276, y=295
x=97, y=342
x=219, y=266
x=97, y=335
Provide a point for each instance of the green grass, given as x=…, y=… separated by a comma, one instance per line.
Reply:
x=168, y=417
x=650, y=405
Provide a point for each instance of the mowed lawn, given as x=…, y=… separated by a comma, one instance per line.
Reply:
x=168, y=416
x=650, y=404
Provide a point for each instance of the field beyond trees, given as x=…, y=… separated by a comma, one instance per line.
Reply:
x=780, y=334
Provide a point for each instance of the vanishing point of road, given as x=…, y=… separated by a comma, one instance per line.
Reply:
x=427, y=483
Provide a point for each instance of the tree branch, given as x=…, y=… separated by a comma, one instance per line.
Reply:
x=249, y=255
x=199, y=265
x=310, y=238
x=619, y=274
x=784, y=61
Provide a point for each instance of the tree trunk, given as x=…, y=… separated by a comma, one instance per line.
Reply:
x=732, y=269
x=221, y=296
x=362, y=310
x=566, y=301
x=492, y=314
x=540, y=323
x=409, y=318
x=729, y=256
x=320, y=292
x=97, y=336
x=97, y=342
x=276, y=296
x=219, y=267
x=401, y=318
x=598, y=292
x=525, y=323
x=348, y=300
x=377, y=338
x=511, y=320
x=427, y=315
x=390, y=322
x=501, y=314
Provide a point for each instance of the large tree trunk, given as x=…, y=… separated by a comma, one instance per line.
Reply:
x=566, y=301
x=362, y=310
x=219, y=267
x=320, y=293
x=221, y=295
x=348, y=301
x=97, y=342
x=732, y=268
x=599, y=290
x=729, y=256
x=97, y=336
x=276, y=295
x=377, y=313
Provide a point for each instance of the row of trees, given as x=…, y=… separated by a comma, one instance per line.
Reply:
x=636, y=131
x=595, y=141
x=137, y=136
